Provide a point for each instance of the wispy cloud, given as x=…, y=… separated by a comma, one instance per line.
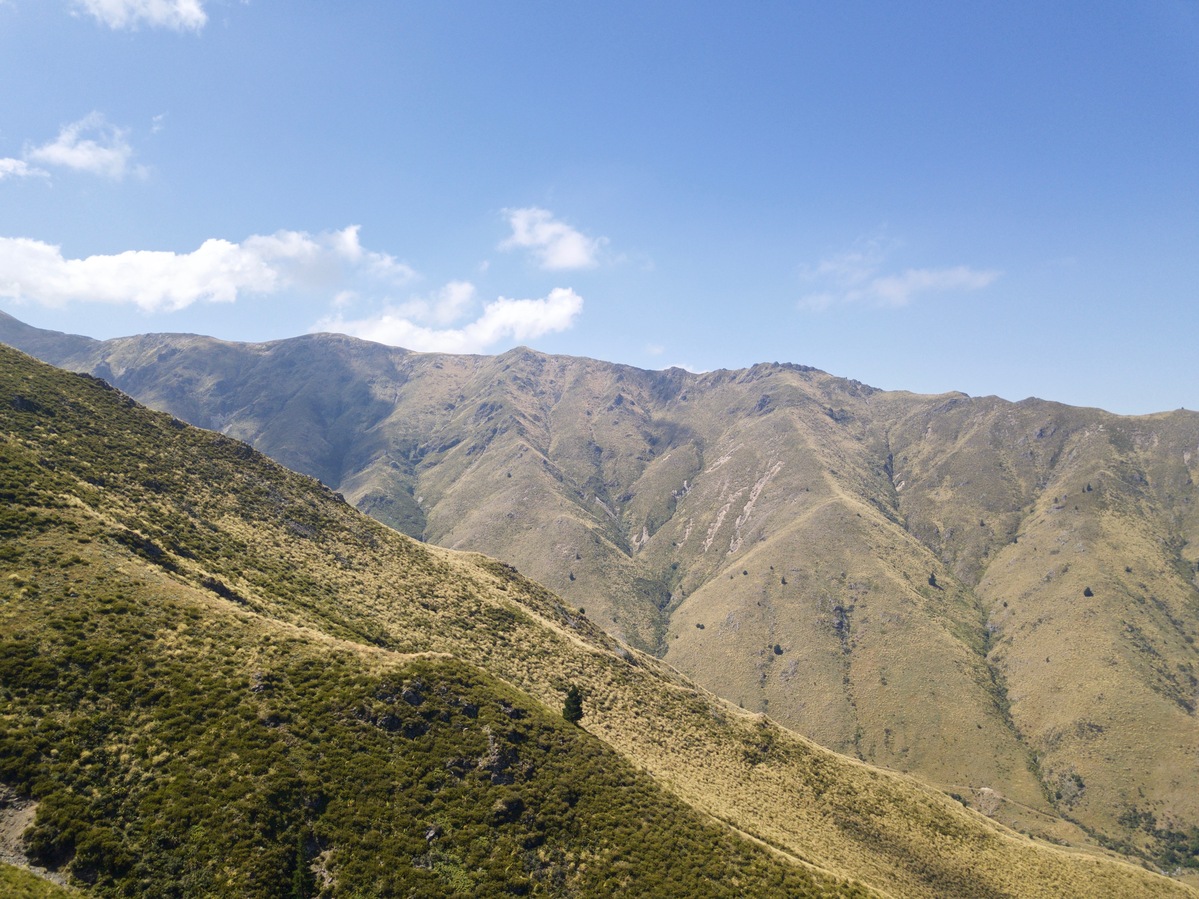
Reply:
x=898, y=290
x=180, y=15
x=501, y=320
x=860, y=275
x=91, y=144
x=218, y=271
x=556, y=245
x=19, y=168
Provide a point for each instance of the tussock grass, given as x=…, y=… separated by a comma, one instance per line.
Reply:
x=16, y=883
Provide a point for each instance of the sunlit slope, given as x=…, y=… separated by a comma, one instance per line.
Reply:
x=1080, y=531
x=16, y=883
x=808, y=602
x=208, y=578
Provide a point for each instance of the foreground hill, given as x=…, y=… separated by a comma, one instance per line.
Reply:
x=218, y=678
x=999, y=597
x=16, y=883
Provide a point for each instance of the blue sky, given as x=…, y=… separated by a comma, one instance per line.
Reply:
x=999, y=199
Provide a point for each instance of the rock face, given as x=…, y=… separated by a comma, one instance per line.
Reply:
x=900, y=577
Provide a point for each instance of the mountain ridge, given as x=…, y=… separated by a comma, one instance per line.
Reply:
x=212, y=665
x=899, y=577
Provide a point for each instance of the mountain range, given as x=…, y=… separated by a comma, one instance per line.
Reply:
x=998, y=598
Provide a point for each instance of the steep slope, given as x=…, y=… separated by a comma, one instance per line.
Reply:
x=218, y=677
x=1090, y=593
x=899, y=577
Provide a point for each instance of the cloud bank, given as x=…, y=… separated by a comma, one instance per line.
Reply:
x=179, y=15
x=91, y=145
x=556, y=245
x=858, y=276
x=218, y=271
x=502, y=319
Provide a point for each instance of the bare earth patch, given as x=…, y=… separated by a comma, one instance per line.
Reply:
x=16, y=815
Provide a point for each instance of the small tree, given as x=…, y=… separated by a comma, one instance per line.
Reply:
x=572, y=709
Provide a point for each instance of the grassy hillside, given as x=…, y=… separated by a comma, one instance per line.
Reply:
x=1086, y=569
x=858, y=565
x=220, y=679
x=16, y=883
x=181, y=737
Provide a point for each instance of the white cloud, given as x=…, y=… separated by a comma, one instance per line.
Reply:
x=502, y=319
x=218, y=271
x=19, y=168
x=181, y=15
x=443, y=308
x=556, y=244
x=90, y=145
x=858, y=276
